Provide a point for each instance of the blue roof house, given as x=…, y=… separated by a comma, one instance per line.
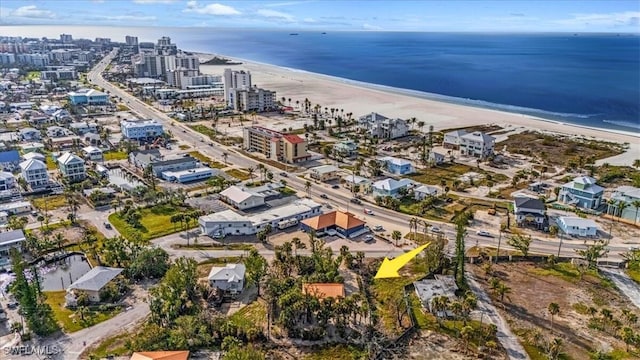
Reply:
x=397, y=166
x=391, y=187
x=9, y=160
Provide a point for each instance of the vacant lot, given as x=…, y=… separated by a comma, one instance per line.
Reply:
x=47, y=203
x=448, y=172
x=115, y=155
x=69, y=320
x=156, y=222
x=238, y=174
x=558, y=150
x=582, y=303
x=206, y=160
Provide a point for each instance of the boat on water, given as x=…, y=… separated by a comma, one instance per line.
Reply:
x=293, y=34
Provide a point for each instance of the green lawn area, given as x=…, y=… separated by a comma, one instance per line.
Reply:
x=184, y=147
x=238, y=174
x=192, y=246
x=385, y=291
x=251, y=316
x=49, y=202
x=207, y=160
x=634, y=274
x=337, y=352
x=204, y=131
x=287, y=191
x=155, y=222
x=121, y=107
x=450, y=172
x=569, y=272
x=115, y=155
x=67, y=318
x=412, y=207
x=32, y=75
x=114, y=345
x=51, y=164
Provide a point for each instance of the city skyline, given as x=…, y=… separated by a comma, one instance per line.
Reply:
x=494, y=16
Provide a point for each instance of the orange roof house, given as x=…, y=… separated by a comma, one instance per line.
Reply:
x=324, y=290
x=160, y=355
x=344, y=223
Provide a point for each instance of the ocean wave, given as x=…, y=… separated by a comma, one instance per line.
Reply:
x=628, y=124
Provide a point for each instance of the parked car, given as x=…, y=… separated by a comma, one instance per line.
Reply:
x=436, y=230
x=355, y=201
x=107, y=225
x=336, y=186
x=378, y=228
x=284, y=174
x=368, y=238
x=484, y=233
x=324, y=196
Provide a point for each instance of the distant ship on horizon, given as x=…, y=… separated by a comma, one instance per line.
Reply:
x=293, y=34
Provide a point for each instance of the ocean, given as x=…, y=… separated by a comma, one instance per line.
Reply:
x=585, y=79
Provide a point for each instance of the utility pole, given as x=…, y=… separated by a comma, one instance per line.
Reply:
x=499, y=240
x=560, y=246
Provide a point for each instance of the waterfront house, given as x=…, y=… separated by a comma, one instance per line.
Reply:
x=228, y=278
x=382, y=127
x=91, y=283
x=396, y=165
x=11, y=240
x=452, y=139
x=627, y=195
x=575, y=226
x=477, y=144
x=582, y=192
x=530, y=212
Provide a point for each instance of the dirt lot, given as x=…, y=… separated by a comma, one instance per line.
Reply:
x=535, y=286
x=71, y=234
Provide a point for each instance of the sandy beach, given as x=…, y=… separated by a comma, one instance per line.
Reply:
x=361, y=99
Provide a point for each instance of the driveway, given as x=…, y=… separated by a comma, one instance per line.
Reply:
x=627, y=286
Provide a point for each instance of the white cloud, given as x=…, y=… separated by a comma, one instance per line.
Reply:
x=272, y=14
x=129, y=18
x=370, y=27
x=288, y=3
x=154, y=1
x=309, y=20
x=628, y=18
x=32, y=11
x=210, y=9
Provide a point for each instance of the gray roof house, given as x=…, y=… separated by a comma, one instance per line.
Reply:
x=92, y=282
x=9, y=240
x=383, y=127
x=228, y=278
x=530, y=212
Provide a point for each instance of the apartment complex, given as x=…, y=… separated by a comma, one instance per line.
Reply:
x=252, y=99
x=275, y=145
x=141, y=130
x=235, y=79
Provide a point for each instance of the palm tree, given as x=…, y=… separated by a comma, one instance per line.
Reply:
x=396, y=235
x=251, y=171
x=413, y=225
x=225, y=156
x=297, y=244
x=553, y=309
x=621, y=206
x=502, y=290
x=307, y=188
x=636, y=204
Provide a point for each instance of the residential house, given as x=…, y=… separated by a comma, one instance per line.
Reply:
x=58, y=131
x=627, y=195
x=16, y=207
x=343, y=224
x=582, y=192
x=91, y=283
x=288, y=148
x=452, y=139
x=350, y=181
x=160, y=355
x=143, y=158
x=4, y=218
x=141, y=130
x=30, y=134
x=228, y=278
x=397, y=166
x=425, y=191
x=32, y=146
x=9, y=160
x=241, y=198
x=93, y=153
x=477, y=144
x=346, y=148
x=391, y=187
x=436, y=158
x=33, y=155
x=575, y=226
x=72, y=167
x=83, y=127
x=324, y=290
x=34, y=172
x=40, y=120
x=324, y=173
x=62, y=116
x=88, y=97
x=382, y=127
x=11, y=240
x=530, y=212
x=7, y=181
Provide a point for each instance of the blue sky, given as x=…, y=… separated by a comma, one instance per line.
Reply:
x=426, y=15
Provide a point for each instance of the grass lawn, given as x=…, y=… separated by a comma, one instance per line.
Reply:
x=251, y=316
x=184, y=147
x=412, y=207
x=246, y=247
x=32, y=75
x=569, y=273
x=238, y=174
x=51, y=164
x=205, y=159
x=385, y=292
x=204, y=131
x=67, y=318
x=121, y=107
x=337, y=352
x=115, y=155
x=114, y=345
x=450, y=172
x=634, y=274
x=155, y=222
x=49, y=202
x=286, y=191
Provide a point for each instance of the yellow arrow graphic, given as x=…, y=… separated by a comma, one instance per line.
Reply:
x=389, y=268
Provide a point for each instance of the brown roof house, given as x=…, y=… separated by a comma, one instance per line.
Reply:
x=341, y=223
x=160, y=355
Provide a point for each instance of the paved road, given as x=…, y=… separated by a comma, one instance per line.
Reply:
x=627, y=286
x=507, y=339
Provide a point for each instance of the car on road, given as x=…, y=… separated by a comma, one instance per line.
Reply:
x=284, y=174
x=107, y=225
x=368, y=238
x=378, y=228
x=436, y=230
x=218, y=235
x=483, y=233
x=184, y=131
x=368, y=211
x=634, y=248
x=336, y=186
x=355, y=201
x=324, y=196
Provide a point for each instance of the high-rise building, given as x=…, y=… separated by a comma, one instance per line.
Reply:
x=165, y=47
x=66, y=38
x=131, y=40
x=234, y=79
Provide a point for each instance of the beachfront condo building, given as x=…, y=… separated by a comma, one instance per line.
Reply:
x=382, y=127
x=252, y=99
x=275, y=145
x=235, y=79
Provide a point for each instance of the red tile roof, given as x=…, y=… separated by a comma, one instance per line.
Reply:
x=292, y=138
x=343, y=220
x=160, y=355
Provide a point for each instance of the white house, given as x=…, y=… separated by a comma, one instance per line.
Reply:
x=34, y=172
x=477, y=144
x=7, y=181
x=229, y=278
x=30, y=134
x=72, y=167
x=629, y=195
x=241, y=198
x=452, y=139
x=425, y=191
x=324, y=172
x=383, y=127
x=11, y=240
x=141, y=130
x=92, y=283
x=575, y=226
x=92, y=153
x=391, y=187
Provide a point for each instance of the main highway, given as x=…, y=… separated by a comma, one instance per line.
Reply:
x=337, y=197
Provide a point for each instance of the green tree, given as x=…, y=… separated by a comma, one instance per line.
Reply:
x=520, y=242
x=594, y=252
x=461, y=232
x=256, y=266
x=554, y=309
x=628, y=336
x=396, y=235
x=176, y=294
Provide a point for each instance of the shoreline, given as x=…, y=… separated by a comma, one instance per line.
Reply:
x=438, y=110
